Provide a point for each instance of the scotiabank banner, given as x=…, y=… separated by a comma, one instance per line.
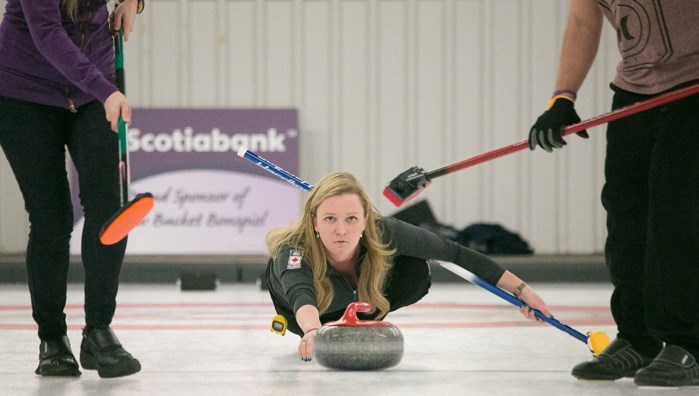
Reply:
x=207, y=199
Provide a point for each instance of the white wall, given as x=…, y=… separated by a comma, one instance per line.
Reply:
x=383, y=85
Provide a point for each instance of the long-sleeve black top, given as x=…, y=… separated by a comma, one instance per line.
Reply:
x=291, y=280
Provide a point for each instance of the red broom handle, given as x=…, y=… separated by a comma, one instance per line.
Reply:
x=589, y=123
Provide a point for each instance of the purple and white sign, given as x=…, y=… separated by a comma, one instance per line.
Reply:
x=207, y=199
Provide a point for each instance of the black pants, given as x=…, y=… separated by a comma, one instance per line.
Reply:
x=34, y=138
x=408, y=281
x=651, y=195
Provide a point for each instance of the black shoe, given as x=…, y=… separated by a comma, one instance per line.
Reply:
x=56, y=359
x=101, y=351
x=673, y=367
x=616, y=361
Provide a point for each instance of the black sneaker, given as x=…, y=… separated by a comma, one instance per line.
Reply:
x=673, y=367
x=616, y=361
x=102, y=351
x=56, y=359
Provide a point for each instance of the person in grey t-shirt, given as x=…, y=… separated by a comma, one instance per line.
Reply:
x=651, y=190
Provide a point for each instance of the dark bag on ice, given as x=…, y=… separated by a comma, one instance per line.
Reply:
x=494, y=239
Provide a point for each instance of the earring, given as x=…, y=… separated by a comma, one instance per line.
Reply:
x=317, y=234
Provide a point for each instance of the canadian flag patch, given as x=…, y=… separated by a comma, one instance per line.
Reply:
x=295, y=257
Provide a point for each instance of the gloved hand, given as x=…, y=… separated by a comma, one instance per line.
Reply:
x=546, y=132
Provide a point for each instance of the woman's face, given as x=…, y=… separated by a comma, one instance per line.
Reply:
x=340, y=221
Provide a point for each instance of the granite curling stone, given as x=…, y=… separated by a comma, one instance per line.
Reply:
x=354, y=344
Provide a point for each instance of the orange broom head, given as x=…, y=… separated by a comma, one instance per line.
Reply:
x=126, y=219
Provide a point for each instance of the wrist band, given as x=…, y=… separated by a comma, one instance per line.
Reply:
x=310, y=330
x=518, y=290
x=570, y=92
x=553, y=100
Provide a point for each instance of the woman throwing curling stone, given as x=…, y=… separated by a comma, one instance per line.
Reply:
x=342, y=250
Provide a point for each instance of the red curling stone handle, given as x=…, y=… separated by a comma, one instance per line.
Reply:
x=349, y=318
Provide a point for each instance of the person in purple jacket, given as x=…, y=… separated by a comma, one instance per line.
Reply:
x=57, y=90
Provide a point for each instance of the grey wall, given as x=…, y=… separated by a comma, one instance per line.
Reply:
x=382, y=85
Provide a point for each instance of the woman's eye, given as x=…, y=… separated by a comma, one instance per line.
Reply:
x=329, y=219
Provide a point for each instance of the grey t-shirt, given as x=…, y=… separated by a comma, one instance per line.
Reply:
x=658, y=42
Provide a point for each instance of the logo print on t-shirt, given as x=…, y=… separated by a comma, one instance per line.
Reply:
x=641, y=26
x=295, y=257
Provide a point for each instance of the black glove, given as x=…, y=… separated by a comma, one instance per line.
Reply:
x=546, y=132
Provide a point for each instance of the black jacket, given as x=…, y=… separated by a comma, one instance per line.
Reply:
x=291, y=282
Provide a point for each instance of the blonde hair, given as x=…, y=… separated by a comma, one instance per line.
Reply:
x=71, y=7
x=301, y=235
